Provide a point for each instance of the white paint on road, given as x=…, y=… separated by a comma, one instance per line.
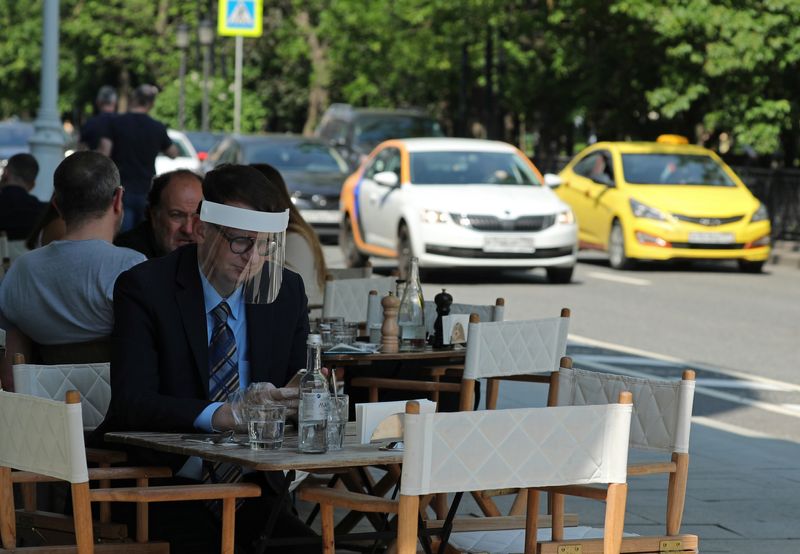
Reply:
x=618, y=278
x=790, y=387
x=738, y=384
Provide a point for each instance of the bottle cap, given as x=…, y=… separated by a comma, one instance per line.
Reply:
x=314, y=340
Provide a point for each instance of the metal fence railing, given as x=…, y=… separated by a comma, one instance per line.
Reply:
x=778, y=189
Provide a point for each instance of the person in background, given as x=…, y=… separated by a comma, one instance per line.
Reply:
x=99, y=124
x=19, y=209
x=133, y=140
x=48, y=227
x=303, y=249
x=62, y=294
x=171, y=214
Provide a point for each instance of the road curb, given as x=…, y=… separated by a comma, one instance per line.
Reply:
x=785, y=253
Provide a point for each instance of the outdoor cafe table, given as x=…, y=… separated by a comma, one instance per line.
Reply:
x=428, y=355
x=287, y=458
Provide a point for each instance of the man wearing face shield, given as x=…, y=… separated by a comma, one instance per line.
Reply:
x=195, y=326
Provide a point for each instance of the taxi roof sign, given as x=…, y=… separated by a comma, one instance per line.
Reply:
x=672, y=139
x=240, y=18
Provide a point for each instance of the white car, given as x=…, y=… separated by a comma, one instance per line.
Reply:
x=186, y=159
x=456, y=203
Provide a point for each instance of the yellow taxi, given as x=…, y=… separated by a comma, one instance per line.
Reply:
x=663, y=200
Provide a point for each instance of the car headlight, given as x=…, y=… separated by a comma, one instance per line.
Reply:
x=567, y=217
x=645, y=211
x=434, y=216
x=760, y=215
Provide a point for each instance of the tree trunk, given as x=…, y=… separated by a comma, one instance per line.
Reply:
x=320, y=73
x=124, y=89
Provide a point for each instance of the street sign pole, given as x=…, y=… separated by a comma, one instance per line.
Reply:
x=239, y=18
x=237, y=88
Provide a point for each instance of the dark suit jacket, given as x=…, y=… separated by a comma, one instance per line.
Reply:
x=159, y=362
x=141, y=238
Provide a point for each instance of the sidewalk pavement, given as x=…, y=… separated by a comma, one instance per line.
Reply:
x=785, y=252
x=743, y=494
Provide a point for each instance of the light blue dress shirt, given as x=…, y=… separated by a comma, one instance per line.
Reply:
x=237, y=321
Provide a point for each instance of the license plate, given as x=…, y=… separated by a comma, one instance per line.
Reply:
x=321, y=216
x=712, y=238
x=510, y=245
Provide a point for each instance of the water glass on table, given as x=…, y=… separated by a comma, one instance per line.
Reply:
x=337, y=420
x=265, y=425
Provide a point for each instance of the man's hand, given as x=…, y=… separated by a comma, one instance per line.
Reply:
x=222, y=420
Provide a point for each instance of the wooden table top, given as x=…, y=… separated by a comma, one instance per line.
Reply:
x=455, y=355
x=284, y=459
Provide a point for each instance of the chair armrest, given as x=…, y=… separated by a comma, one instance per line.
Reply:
x=348, y=499
x=176, y=493
x=97, y=473
x=584, y=491
x=404, y=384
x=103, y=456
x=651, y=468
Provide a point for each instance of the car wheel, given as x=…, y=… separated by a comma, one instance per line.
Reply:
x=616, y=248
x=352, y=256
x=559, y=275
x=750, y=267
x=404, y=251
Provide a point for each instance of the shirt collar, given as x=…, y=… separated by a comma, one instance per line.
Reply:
x=211, y=297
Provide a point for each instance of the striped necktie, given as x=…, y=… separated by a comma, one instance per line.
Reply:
x=223, y=359
x=223, y=365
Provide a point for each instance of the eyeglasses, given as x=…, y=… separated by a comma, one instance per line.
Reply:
x=243, y=245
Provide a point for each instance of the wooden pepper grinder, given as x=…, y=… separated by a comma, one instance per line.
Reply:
x=390, y=330
x=443, y=301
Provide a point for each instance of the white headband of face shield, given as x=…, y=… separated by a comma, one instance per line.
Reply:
x=244, y=219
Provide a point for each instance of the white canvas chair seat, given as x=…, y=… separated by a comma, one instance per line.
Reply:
x=45, y=437
x=348, y=298
x=92, y=381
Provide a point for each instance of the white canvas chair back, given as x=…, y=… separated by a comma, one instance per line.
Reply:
x=42, y=436
x=662, y=410
x=507, y=348
x=350, y=272
x=487, y=312
x=92, y=381
x=532, y=447
x=348, y=298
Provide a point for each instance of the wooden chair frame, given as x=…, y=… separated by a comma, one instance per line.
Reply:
x=82, y=496
x=409, y=510
x=677, y=469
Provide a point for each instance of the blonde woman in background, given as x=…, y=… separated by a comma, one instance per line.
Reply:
x=303, y=249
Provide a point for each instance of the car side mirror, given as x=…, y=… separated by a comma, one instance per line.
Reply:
x=387, y=179
x=552, y=180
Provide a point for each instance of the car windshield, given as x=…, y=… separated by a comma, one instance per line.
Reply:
x=371, y=130
x=202, y=141
x=674, y=169
x=474, y=168
x=297, y=156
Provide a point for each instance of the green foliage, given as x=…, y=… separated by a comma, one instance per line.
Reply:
x=555, y=71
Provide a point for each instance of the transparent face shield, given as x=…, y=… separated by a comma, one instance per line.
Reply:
x=242, y=249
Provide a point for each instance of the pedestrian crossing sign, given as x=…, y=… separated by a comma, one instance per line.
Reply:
x=240, y=18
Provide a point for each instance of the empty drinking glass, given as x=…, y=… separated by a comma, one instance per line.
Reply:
x=337, y=420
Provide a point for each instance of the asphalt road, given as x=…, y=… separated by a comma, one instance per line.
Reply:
x=741, y=332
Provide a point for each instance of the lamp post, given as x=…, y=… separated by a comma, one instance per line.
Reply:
x=47, y=142
x=182, y=42
x=206, y=35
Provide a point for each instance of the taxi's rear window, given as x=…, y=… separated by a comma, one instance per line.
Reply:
x=674, y=169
